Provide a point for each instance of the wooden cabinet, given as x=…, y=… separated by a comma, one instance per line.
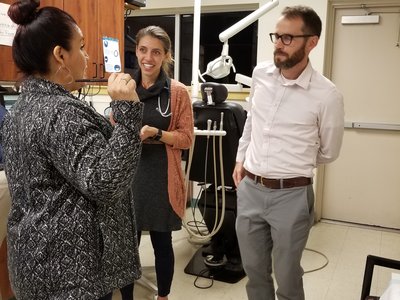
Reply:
x=56, y=3
x=8, y=71
x=96, y=18
x=112, y=25
x=85, y=13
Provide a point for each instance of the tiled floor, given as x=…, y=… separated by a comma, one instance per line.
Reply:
x=345, y=247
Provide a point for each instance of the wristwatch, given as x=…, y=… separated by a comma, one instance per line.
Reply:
x=158, y=135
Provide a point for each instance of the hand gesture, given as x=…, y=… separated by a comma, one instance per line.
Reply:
x=121, y=86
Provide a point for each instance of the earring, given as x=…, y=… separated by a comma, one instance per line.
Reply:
x=67, y=76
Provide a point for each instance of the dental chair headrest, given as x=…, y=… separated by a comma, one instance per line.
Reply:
x=213, y=93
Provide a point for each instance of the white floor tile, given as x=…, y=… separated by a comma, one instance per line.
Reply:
x=345, y=247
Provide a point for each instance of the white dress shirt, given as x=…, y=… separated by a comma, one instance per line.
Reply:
x=292, y=125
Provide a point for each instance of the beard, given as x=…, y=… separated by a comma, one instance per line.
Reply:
x=290, y=61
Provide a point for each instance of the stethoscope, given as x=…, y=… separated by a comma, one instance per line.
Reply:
x=165, y=113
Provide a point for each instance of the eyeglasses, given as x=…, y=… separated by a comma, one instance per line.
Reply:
x=286, y=38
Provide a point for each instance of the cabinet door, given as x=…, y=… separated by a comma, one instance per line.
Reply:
x=85, y=14
x=111, y=17
x=56, y=3
x=98, y=18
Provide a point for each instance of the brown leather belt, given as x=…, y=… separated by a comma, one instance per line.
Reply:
x=283, y=183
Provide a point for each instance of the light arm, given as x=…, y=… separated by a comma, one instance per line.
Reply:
x=243, y=23
x=220, y=67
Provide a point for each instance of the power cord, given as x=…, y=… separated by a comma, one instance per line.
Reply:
x=195, y=223
x=319, y=268
x=202, y=272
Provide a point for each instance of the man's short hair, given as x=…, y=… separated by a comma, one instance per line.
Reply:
x=312, y=22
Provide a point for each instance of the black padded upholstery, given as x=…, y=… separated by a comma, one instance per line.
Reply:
x=218, y=92
x=234, y=117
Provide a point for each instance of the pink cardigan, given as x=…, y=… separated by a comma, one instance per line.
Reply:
x=182, y=127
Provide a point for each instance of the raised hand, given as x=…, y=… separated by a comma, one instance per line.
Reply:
x=121, y=86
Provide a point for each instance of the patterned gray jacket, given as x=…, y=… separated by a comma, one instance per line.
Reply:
x=71, y=229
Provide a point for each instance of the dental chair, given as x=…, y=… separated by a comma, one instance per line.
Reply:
x=220, y=259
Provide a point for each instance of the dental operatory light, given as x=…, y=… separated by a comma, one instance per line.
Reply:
x=221, y=66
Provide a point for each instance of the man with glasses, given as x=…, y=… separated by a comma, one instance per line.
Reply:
x=295, y=122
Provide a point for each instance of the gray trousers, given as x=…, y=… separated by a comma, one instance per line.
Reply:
x=272, y=225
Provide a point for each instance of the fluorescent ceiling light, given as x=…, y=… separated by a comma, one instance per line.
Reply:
x=367, y=19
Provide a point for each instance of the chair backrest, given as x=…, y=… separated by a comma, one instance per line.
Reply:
x=234, y=117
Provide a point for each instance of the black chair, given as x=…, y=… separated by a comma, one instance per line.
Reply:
x=224, y=243
x=371, y=262
x=234, y=117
